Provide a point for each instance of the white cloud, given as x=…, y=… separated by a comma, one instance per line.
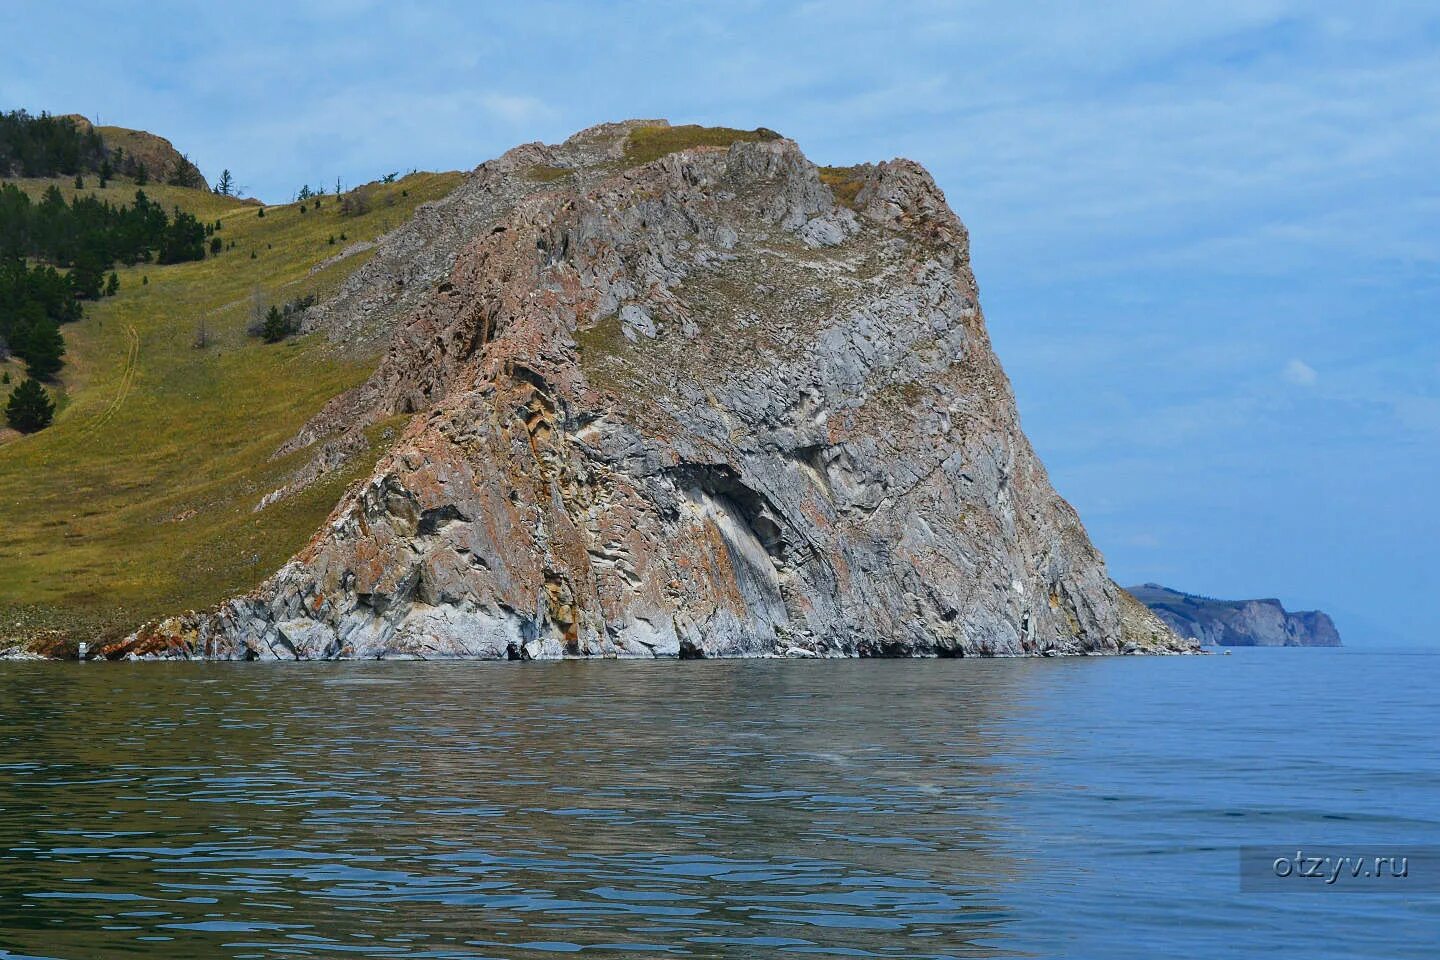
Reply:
x=1300, y=373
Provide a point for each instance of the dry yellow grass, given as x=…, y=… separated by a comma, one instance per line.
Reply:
x=844, y=183
x=139, y=500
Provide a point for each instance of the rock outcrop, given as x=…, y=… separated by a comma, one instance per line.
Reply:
x=692, y=407
x=135, y=148
x=1238, y=623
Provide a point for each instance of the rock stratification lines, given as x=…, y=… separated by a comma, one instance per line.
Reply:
x=722, y=403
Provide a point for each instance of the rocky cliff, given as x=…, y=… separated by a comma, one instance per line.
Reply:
x=717, y=403
x=1238, y=623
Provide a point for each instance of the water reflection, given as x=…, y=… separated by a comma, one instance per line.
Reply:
x=417, y=810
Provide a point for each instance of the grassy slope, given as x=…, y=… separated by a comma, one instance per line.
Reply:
x=138, y=501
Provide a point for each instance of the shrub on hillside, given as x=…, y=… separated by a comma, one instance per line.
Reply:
x=278, y=322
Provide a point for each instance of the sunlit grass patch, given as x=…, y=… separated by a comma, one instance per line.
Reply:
x=653, y=142
x=844, y=183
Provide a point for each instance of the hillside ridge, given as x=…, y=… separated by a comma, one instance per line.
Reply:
x=1238, y=623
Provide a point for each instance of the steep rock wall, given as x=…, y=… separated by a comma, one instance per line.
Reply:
x=692, y=408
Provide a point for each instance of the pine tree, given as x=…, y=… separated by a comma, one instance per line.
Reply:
x=112, y=286
x=183, y=239
x=79, y=182
x=275, y=327
x=30, y=407
x=43, y=348
x=226, y=184
x=87, y=276
x=142, y=176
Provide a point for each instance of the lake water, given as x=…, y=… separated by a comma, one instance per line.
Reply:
x=950, y=808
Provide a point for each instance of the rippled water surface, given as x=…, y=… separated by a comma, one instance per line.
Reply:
x=953, y=808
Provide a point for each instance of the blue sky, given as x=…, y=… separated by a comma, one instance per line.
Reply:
x=1207, y=235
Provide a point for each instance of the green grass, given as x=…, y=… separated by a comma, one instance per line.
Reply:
x=844, y=183
x=138, y=501
x=652, y=143
x=544, y=173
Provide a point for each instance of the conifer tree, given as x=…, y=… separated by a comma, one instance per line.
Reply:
x=275, y=327
x=30, y=407
x=184, y=239
x=43, y=348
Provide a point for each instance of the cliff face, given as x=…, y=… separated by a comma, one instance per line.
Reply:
x=690, y=407
x=1238, y=623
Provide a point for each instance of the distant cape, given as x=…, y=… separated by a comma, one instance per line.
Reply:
x=1238, y=623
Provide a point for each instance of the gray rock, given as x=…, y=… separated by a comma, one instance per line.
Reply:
x=692, y=408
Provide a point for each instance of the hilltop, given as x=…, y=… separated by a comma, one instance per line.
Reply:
x=49, y=146
x=138, y=147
